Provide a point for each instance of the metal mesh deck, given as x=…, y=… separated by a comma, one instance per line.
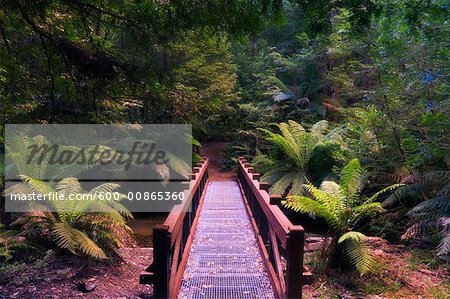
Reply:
x=225, y=261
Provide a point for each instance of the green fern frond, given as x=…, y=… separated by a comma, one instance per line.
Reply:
x=312, y=207
x=334, y=204
x=88, y=247
x=104, y=188
x=37, y=186
x=282, y=184
x=68, y=186
x=356, y=236
x=385, y=190
x=350, y=181
x=364, y=210
x=274, y=175
x=297, y=183
x=320, y=127
x=358, y=252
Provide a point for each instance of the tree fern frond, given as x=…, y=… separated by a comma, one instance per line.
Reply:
x=387, y=189
x=356, y=236
x=441, y=203
x=444, y=246
x=297, y=183
x=37, y=186
x=68, y=186
x=104, y=188
x=320, y=127
x=350, y=181
x=309, y=206
x=358, y=254
x=178, y=164
x=334, y=204
x=405, y=193
x=64, y=236
x=296, y=129
x=364, y=210
x=282, y=184
x=88, y=247
x=275, y=174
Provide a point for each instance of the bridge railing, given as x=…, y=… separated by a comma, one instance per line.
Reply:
x=280, y=241
x=172, y=240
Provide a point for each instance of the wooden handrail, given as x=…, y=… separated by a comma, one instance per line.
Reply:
x=172, y=240
x=277, y=235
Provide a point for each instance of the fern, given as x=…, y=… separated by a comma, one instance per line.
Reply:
x=88, y=227
x=358, y=253
x=432, y=192
x=296, y=145
x=342, y=206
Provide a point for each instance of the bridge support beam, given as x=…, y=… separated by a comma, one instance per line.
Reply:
x=294, y=256
x=161, y=250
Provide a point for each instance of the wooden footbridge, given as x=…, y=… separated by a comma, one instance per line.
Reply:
x=228, y=239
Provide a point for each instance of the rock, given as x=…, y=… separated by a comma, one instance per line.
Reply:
x=314, y=239
x=303, y=102
x=313, y=246
x=86, y=287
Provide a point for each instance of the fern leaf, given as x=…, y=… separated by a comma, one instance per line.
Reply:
x=282, y=184
x=87, y=246
x=351, y=179
x=309, y=206
x=385, y=190
x=356, y=236
x=320, y=127
x=358, y=253
x=36, y=185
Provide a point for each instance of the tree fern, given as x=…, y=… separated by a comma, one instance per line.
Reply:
x=342, y=206
x=357, y=251
x=86, y=227
x=296, y=145
x=430, y=192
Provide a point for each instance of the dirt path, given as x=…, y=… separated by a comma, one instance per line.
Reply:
x=214, y=150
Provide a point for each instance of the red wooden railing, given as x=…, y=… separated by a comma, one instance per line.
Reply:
x=172, y=240
x=278, y=238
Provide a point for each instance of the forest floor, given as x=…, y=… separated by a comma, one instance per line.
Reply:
x=399, y=272
x=57, y=278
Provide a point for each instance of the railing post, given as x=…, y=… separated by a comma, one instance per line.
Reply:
x=294, y=256
x=264, y=186
x=161, y=250
x=275, y=199
x=256, y=176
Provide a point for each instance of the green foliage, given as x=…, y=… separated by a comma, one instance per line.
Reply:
x=426, y=198
x=289, y=165
x=342, y=206
x=87, y=227
x=10, y=240
x=80, y=62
